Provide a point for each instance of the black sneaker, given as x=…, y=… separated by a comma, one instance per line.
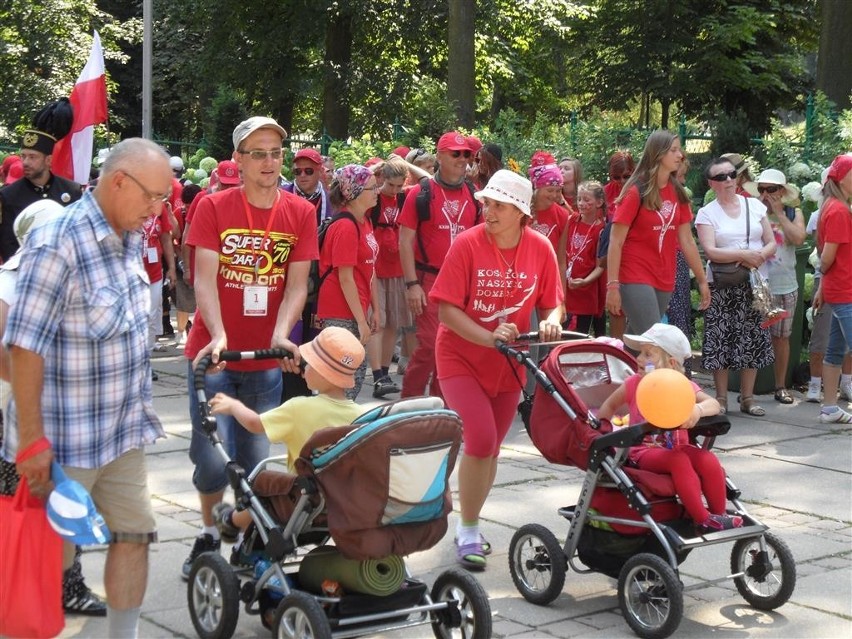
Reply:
x=203, y=543
x=222, y=520
x=384, y=386
x=84, y=603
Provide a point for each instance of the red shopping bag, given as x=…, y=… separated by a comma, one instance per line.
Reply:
x=30, y=568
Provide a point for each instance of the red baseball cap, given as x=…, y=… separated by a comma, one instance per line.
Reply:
x=453, y=141
x=308, y=154
x=841, y=165
x=474, y=143
x=401, y=151
x=228, y=173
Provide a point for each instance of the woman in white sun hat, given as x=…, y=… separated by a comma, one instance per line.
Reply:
x=788, y=227
x=494, y=275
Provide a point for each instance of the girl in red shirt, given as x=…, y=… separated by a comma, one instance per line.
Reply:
x=493, y=277
x=583, y=296
x=652, y=217
x=349, y=250
x=621, y=167
x=572, y=175
x=834, y=233
x=548, y=217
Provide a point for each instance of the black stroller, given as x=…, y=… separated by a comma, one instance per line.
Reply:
x=627, y=522
x=379, y=490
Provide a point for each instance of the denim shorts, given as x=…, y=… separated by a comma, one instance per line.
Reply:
x=840, y=334
x=260, y=391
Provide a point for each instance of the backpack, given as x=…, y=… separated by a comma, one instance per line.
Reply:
x=377, y=211
x=315, y=280
x=422, y=204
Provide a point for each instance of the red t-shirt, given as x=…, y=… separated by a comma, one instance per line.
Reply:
x=835, y=226
x=476, y=279
x=582, y=258
x=452, y=211
x=550, y=222
x=648, y=255
x=220, y=223
x=611, y=191
x=152, y=230
x=346, y=245
x=386, y=233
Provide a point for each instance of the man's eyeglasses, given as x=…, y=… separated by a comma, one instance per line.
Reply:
x=306, y=171
x=152, y=198
x=723, y=177
x=259, y=154
x=768, y=189
x=456, y=154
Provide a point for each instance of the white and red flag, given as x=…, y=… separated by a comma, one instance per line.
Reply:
x=72, y=155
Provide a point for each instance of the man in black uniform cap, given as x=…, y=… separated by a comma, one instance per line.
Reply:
x=50, y=125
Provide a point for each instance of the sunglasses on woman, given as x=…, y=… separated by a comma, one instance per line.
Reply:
x=768, y=189
x=722, y=177
x=307, y=171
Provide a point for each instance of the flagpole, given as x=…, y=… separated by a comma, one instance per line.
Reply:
x=146, y=68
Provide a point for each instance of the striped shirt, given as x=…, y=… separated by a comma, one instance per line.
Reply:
x=83, y=305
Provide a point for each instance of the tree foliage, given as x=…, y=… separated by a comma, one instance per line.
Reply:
x=358, y=68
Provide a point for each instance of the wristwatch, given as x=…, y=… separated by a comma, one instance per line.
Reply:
x=412, y=283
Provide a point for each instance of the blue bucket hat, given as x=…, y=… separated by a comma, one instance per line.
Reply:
x=72, y=513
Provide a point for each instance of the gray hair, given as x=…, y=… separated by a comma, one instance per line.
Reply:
x=132, y=153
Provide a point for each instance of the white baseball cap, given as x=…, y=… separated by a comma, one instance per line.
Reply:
x=670, y=338
x=247, y=127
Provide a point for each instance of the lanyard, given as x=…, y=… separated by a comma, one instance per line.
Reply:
x=511, y=284
x=576, y=253
x=274, y=210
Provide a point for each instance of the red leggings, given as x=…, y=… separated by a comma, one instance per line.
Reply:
x=485, y=420
x=693, y=471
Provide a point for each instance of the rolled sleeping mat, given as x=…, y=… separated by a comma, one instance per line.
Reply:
x=380, y=577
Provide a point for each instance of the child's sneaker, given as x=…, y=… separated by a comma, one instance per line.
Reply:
x=837, y=416
x=222, y=521
x=384, y=386
x=813, y=394
x=714, y=523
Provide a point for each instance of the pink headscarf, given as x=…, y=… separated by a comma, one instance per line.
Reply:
x=545, y=175
x=352, y=179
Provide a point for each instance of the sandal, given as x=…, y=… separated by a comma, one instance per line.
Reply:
x=783, y=395
x=723, y=405
x=486, y=545
x=748, y=407
x=470, y=556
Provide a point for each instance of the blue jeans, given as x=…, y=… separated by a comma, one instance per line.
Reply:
x=840, y=334
x=260, y=391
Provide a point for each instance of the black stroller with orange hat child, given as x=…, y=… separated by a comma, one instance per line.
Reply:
x=322, y=557
x=627, y=522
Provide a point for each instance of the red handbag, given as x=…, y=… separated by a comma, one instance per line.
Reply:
x=30, y=568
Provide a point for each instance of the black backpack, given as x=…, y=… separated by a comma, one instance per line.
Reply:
x=423, y=206
x=377, y=211
x=315, y=280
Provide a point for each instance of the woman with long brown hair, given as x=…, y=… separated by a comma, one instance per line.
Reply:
x=652, y=218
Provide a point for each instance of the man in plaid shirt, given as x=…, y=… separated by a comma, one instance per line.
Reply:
x=81, y=369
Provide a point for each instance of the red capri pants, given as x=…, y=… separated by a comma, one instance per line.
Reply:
x=485, y=420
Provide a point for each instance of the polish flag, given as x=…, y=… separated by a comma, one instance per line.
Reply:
x=72, y=155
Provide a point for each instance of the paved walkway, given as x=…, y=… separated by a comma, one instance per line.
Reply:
x=795, y=475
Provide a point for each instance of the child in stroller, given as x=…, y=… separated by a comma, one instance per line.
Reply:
x=379, y=490
x=694, y=470
x=627, y=522
x=332, y=358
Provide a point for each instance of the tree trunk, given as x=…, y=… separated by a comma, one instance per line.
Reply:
x=461, y=60
x=338, y=59
x=834, y=76
x=665, y=105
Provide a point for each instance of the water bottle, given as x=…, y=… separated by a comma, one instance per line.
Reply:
x=260, y=567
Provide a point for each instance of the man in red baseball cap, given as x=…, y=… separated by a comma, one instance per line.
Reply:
x=423, y=245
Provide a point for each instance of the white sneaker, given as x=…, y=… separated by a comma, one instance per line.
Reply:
x=846, y=391
x=181, y=339
x=813, y=391
x=837, y=417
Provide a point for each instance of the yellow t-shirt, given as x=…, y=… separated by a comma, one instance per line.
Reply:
x=298, y=418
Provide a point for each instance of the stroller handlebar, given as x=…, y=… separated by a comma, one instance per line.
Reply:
x=532, y=337
x=234, y=356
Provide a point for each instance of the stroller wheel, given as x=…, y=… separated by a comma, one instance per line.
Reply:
x=213, y=595
x=471, y=618
x=300, y=616
x=537, y=563
x=651, y=596
x=767, y=578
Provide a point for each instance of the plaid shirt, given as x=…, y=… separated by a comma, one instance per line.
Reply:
x=83, y=306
